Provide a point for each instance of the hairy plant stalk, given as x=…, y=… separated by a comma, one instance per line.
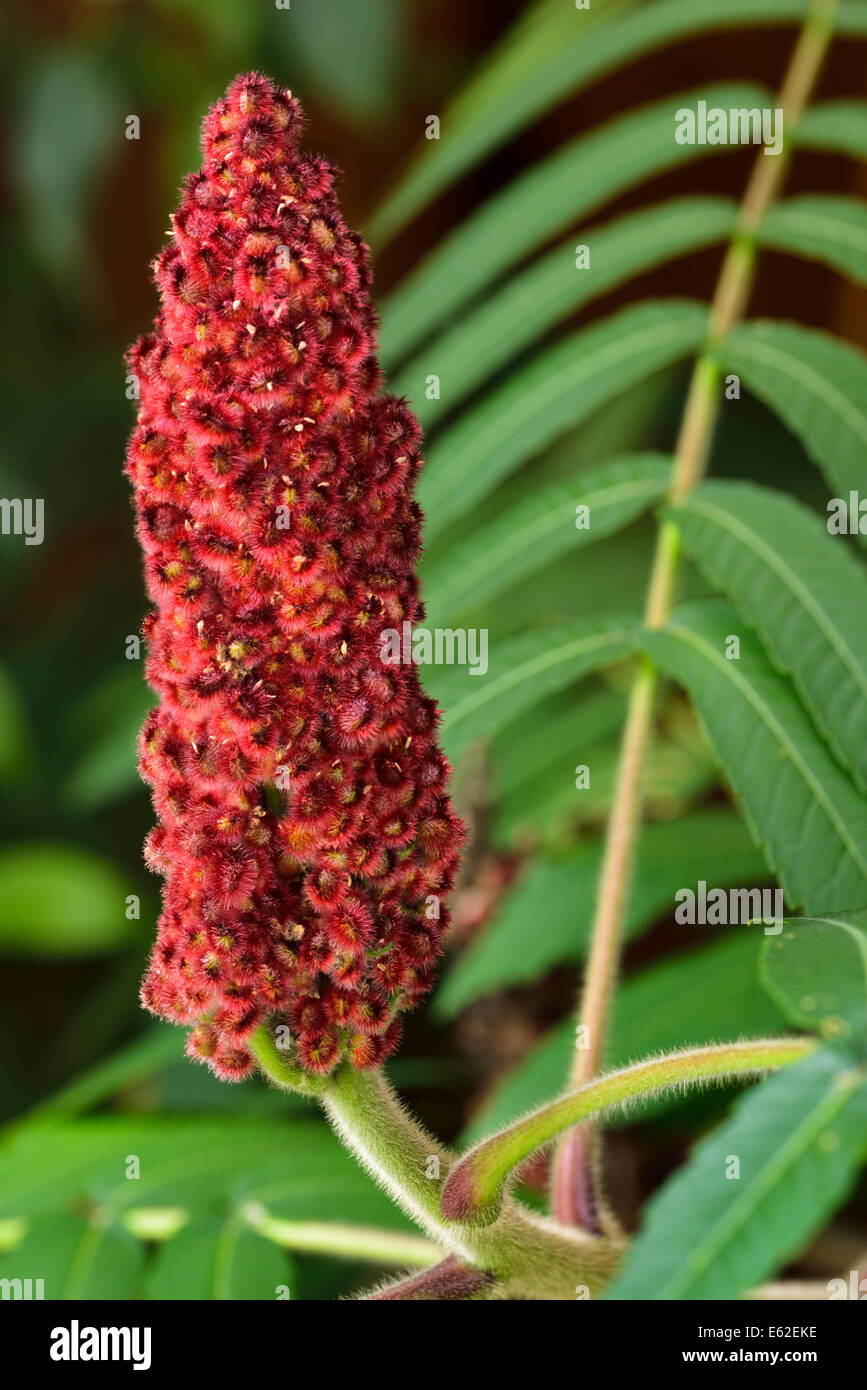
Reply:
x=446, y=1282
x=475, y=1186
x=528, y=1256
x=577, y=1165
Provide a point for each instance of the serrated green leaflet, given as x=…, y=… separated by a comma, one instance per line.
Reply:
x=803, y=591
x=807, y=815
x=553, y=53
x=557, y=390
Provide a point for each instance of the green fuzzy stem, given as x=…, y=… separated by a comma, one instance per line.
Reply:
x=275, y=1064
x=527, y=1256
x=474, y=1190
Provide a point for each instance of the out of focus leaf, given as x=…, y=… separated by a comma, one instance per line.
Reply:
x=534, y=301
x=213, y=1259
x=520, y=672
x=560, y=388
x=547, y=918
x=293, y=1169
x=77, y=1259
x=837, y=126
x=512, y=85
x=816, y=970
x=822, y=227
x=58, y=900
x=107, y=768
x=139, y=1061
x=550, y=807
x=554, y=52
x=353, y=54
x=69, y=120
x=540, y=204
x=537, y=739
x=15, y=737
x=541, y=527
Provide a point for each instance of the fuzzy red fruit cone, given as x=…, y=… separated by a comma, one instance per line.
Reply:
x=305, y=831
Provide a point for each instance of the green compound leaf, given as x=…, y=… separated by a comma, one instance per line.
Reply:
x=799, y=1139
x=513, y=85
x=553, y=52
